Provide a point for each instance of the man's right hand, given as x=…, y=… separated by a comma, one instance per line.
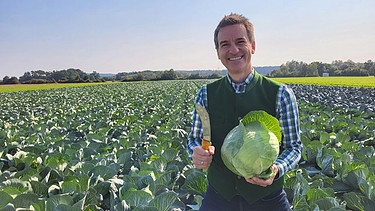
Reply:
x=202, y=158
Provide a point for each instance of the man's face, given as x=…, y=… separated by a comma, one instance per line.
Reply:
x=235, y=49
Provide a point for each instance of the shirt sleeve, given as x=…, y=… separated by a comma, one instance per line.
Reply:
x=196, y=134
x=288, y=116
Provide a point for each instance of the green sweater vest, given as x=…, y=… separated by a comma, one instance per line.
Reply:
x=226, y=108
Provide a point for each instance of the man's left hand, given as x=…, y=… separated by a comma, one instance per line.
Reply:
x=263, y=182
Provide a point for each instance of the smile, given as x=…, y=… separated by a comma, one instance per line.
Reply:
x=235, y=58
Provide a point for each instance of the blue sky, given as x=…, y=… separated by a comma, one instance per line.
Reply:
x=134, y=35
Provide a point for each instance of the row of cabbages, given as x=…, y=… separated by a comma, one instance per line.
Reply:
x=337, y=96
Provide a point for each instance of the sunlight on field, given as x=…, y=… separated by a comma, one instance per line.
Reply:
x=331, y=81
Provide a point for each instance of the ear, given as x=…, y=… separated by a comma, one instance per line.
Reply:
x=253, y=45
x=217, y=52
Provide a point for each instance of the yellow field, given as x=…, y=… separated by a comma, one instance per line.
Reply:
x=368, y=82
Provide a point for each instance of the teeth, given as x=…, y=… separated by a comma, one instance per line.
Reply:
x=235, y=58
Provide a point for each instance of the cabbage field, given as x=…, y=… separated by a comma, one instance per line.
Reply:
x=121, y=146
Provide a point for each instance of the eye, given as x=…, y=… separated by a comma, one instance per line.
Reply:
x=241, y=41
x=224, y=44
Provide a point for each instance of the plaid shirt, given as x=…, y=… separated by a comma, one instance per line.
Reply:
x=286, y=113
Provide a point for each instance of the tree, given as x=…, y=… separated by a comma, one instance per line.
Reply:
x=368, y=65
x=322, y=67
x=372, y=70
x=6, y=79
x=94, y=76
x=26, y=77
x=214, y=75
x=168, y=75
x=194, y=76
x=312, y=69
x=139, y=77
x=12, y=80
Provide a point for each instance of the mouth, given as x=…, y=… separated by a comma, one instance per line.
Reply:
x=235, y=58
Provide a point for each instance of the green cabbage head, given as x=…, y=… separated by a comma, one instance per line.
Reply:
x=251, y=148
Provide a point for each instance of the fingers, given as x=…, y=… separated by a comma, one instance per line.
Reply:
x=259, y=181
x=202, y=158
x=263, y=182
x=211, y=150
x=202, y=152
x=202, y=164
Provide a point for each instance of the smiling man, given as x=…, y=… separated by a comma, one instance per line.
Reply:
x=228, y=100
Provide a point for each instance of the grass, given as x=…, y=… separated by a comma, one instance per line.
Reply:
x=349, y=81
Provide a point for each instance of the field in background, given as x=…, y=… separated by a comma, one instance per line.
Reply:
x=331, y=81
x=368, y=82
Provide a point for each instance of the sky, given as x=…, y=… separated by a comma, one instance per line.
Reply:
x=134, y=35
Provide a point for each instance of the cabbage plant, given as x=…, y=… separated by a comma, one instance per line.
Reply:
x=251, y=147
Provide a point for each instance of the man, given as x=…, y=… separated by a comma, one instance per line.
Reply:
x=229, y=99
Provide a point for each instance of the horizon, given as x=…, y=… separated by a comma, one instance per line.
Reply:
x=138, y=71
x=133, y=36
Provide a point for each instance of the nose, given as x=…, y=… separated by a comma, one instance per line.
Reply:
x=233, y=49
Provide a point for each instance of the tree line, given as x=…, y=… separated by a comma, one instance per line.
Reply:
x=289, y=69
x=78, y=76
x=336, y=68
x=62, y=76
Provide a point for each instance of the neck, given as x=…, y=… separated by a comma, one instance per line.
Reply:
x=239, y=77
